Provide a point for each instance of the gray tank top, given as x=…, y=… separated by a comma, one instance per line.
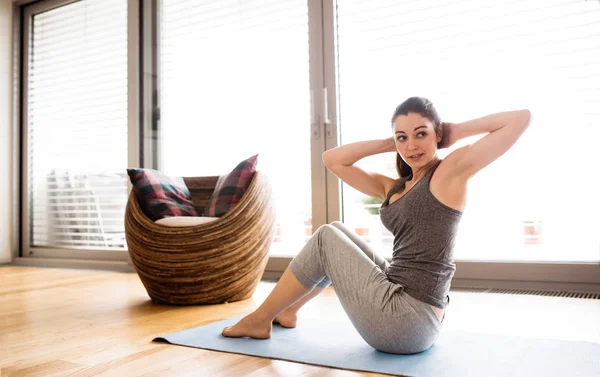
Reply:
x=424, y=232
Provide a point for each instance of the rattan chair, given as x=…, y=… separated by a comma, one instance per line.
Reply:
x=216, y=262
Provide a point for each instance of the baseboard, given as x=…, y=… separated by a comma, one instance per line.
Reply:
x=74, y=263
x=530, y=285
x=271, y=276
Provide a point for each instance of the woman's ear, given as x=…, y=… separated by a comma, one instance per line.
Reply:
x=439, y=131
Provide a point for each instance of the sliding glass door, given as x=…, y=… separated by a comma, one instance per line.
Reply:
x=194, y=87
x=235, y=80
x=75, y=129
x=540, y=201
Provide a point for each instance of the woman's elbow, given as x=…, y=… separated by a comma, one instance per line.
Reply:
x=326, y=157
x=329, y=158
x=330, y=163
x=524, y=117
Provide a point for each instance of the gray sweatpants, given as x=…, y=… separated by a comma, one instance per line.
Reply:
x=386, y=317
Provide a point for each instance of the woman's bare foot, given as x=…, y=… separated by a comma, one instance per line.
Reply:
x=287, y=320
x=249, y=326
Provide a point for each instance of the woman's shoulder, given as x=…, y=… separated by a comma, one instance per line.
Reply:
x=449, y=166
x=447, y=187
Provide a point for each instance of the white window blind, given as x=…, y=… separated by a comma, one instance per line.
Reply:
x=77, y=125
x=234, y=83
x=540, y=201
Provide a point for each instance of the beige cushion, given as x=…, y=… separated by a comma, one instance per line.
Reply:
x=177, y=221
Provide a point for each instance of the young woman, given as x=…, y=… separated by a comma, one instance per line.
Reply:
x=397, y=307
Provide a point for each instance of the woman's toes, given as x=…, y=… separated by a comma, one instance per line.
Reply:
x=248, y=328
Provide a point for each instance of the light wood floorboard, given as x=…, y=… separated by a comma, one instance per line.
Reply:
x=61, y=322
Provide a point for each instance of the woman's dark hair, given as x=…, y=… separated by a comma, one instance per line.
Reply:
x=423, y=107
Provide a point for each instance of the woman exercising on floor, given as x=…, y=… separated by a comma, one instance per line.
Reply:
x=397, y=307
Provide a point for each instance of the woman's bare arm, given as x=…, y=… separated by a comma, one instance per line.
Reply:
x=340, y=161
x=503, y=129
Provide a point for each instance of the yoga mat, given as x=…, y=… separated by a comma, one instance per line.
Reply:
x=337, y=344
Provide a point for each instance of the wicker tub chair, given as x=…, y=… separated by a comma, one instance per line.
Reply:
x=216, y=262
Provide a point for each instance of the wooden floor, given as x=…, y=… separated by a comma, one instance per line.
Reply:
x=60, y=322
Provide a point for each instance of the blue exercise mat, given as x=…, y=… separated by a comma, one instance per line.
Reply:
x=455, y=354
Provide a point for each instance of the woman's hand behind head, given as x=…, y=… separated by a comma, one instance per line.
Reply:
x=449, y=135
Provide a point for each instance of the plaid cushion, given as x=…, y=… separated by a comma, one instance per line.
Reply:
x=161, y=196
x=230, y=188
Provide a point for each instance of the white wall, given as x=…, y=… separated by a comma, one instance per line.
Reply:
x=6, y=134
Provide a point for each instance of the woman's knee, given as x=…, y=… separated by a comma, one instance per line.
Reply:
x=326, y=234
x=337, y=224
x=325, y=230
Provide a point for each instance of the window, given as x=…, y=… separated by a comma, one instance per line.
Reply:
x=539, y=202
x=220, y=81
x=76, y=125
x=235, y=81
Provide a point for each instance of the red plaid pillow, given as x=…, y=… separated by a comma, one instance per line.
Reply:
x=230, y=188
x=161, y=196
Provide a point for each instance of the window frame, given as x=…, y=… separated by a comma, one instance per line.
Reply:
x=533, y=275
x=27, y=254
x=144, y=114
x=324, y=202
